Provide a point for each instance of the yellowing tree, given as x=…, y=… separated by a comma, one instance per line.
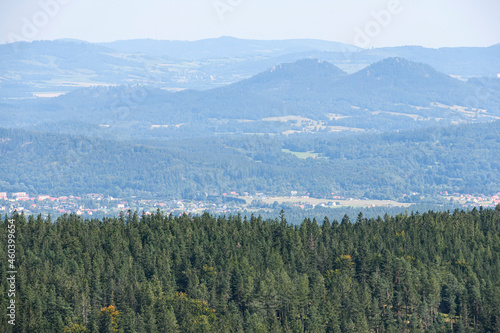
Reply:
x=108, y=321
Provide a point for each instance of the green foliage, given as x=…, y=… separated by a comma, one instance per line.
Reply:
x=456, y=159
x=75, y=328
x=432, y=272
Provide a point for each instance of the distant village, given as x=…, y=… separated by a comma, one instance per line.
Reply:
x=96, y=204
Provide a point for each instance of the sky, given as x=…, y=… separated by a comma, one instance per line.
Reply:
x=365, y=23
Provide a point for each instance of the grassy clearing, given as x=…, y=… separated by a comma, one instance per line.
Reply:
x=302, y=155
x=343, y=203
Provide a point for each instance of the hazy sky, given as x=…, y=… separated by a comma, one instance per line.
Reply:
x=366, y=23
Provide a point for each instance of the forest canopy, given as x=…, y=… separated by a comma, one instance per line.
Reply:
x=432, y=272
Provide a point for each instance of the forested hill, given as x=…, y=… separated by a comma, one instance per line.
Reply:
x=460, y=159
x=457, y=158
x=62, y=65
x=307, y=96
x=302, y=74
x=430, y=272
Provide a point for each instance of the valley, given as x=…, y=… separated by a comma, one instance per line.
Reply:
x=270, y=121
x=231, y=166
x=254, y=186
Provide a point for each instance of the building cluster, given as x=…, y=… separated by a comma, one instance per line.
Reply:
x=95, y=204
x=23, y=202
x=468, y=200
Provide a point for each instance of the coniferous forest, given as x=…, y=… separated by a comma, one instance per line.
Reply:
x=430, y=272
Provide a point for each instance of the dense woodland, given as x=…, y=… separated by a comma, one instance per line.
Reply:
x=461, y=159
x=430, y=272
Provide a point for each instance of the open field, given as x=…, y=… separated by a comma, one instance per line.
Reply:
x=412, y=116
x=308, y=125
x=48, y=94
x=340, y=203
x=303, y=155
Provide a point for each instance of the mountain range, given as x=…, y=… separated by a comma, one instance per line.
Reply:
x=124, y=119
x=305, y=96
x=45, y=68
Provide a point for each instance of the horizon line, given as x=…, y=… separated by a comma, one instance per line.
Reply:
x=235, y=38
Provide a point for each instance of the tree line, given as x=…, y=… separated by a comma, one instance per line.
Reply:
x=429, y=272
x=458, y=159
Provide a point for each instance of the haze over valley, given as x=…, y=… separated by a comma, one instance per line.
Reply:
x=198, y=120
x=234, y=166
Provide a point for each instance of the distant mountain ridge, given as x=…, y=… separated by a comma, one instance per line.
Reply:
x=306, y=96
x=400, y=80
x=304, y=73
x=226, y=47
x=301, y=69
x=46, y=67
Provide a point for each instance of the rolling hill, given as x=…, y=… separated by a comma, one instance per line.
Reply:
x=306, y=96
x=53, y=67
x=460, y=159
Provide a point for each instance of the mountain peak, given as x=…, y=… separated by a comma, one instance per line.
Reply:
x=398, y=62
x=311, y=73
x=303, y=69
x=309, y=63
x=398, y=69
x=403, y=81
